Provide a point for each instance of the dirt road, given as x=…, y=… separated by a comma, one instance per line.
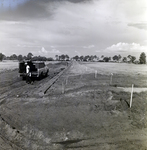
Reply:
x=81, y=111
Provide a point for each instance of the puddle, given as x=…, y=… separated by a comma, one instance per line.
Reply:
x=135, y=89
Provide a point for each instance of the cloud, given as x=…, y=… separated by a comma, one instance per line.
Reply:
x=31, y=9
x=126, y=47
x=138, y=25
x=28, y=10
x=54, y=51
x=78, y=53
x=89, y=47
x=85, y=26
x=27, y=46
x=44, y=51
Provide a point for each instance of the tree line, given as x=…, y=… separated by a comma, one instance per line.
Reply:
x=29, y=56
x=115, y=58
x=63, y=57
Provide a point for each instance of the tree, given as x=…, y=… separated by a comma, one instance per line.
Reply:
x=95, y=58
x=20, y=57
x=24, y=57
x=66, y=57
x=102, y=56
x=13, y=57
x=132, y=58
x=129, y=56
x=119, y=57
x=86, y=58
x=91, y=58
x=50, y=59
x=142, y=58
x=57, y=57
x=81, y=58
x=1, y=56
x=62, y=57
x=115, y=58
x=106, y=59
x=76, y=57
x=39, y=58
x=29, y=56
x=124, y=59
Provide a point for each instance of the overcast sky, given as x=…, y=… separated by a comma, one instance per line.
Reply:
x=73, y=27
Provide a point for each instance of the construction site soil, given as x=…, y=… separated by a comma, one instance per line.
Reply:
x=74, y=108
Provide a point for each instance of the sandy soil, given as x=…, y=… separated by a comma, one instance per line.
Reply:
x=82, y=110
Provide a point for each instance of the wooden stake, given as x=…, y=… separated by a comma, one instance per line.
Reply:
x=66, y=81
x=63, y=88
x=131, y=96
x=95, y=73
x=111, y=78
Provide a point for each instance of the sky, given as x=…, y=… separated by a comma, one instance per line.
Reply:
x=73, y=27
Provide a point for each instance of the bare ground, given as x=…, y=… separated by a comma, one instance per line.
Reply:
x=80, y=111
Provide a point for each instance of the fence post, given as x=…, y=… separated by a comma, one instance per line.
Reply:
x=66, y=82
x=111, y=78
x=95, y=73
x=131, y=96
x=63, y=88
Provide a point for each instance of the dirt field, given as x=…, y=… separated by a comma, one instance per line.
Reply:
x=82, y=110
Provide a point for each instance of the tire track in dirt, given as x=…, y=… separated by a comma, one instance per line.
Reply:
x=19, y=88
x=109, y=142
x=43, y=89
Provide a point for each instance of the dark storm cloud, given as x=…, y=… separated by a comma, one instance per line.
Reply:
x=34, y=9
x=138, y=25
x=30, y=9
